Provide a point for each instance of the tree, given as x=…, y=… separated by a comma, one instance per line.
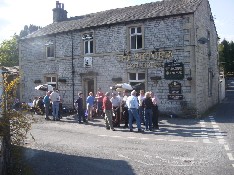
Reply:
x=226, y=55
x=28, y=30
x=9, y=52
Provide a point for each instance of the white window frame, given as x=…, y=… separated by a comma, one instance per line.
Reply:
x=88, y=38
x=51, y=82
x=137, y=79
x=135, y=34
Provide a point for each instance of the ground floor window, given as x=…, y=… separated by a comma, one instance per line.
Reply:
x=137, y=80
x=52, y=80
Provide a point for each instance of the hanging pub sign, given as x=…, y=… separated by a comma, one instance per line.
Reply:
x=175, y=91
x=173, y=71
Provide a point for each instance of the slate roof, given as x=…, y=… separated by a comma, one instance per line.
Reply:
x=133, y=13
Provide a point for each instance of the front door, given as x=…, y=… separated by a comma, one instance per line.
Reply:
x=90, y=86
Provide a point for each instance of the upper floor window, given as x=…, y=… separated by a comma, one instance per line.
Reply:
x=136, y=38
x=50, y=51
x=88, y=43
x=208, y=44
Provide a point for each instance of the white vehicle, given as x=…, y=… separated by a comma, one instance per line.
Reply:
x=44, y=87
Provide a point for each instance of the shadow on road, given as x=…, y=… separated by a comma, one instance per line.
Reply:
x=51, y=163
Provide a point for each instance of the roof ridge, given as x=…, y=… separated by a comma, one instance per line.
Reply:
x=121, y=15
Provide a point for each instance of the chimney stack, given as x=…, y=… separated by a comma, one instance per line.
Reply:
x=59, y=14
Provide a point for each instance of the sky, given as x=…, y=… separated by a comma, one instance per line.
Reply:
x=15, y=14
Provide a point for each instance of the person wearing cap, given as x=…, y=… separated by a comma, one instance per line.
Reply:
x=107, y=107
x=132, y=103
x=79, y=108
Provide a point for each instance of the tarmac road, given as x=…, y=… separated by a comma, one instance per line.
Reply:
x=181, y=146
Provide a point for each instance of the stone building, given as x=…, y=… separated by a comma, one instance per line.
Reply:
x=168, y=47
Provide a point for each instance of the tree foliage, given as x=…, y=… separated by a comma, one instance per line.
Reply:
x=28, y=30
x=226, y=56
x=16, y=123
x=9, y=52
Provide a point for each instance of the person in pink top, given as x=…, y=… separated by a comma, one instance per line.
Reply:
x=99, y=97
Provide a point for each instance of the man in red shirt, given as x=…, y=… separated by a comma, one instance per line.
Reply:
x=99, y=97
x=107, y=107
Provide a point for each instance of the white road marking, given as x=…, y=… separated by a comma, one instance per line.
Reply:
x=120, y=155
x=226, y=147
x=215, y=126
x=131, y=137
x=144, y=138
x=160, y=139
x=175, y=140
x=221, y=141
x=116, y=136
x=103, y=135
x=216, y=129
x=190, y=141
x=206, y=141
x=233, y=165
x=230, y=156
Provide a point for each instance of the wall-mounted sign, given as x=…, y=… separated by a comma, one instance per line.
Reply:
x=88, y=62
x=173, y=71
x=143, y=65
x=175, y=97
x=174, y=87
x=175, y=91
x=147, y=56
x=145, y=60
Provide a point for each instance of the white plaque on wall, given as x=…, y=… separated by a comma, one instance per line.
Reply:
x=88, y=62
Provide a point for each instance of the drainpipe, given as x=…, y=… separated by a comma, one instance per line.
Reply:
x=73, y=72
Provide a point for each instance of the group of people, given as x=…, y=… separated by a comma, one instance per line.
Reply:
x=42, y=105
x=121, y=106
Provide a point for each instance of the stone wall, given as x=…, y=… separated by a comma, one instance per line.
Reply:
x=204, y=62
x=177, y=34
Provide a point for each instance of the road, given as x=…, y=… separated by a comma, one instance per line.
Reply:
x=182, y=146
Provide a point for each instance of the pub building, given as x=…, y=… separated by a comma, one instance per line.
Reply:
x=168, y=47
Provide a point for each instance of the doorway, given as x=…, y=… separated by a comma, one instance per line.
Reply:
x=90, y=86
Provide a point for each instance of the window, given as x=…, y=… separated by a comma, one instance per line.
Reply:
x=210, y=78
x=208, y=44
x=137, y=80
x=88, y=43
x=136, y=38
x=50, y=51
x=51, y=80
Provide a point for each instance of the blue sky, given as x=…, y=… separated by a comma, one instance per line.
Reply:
x=15, y=14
